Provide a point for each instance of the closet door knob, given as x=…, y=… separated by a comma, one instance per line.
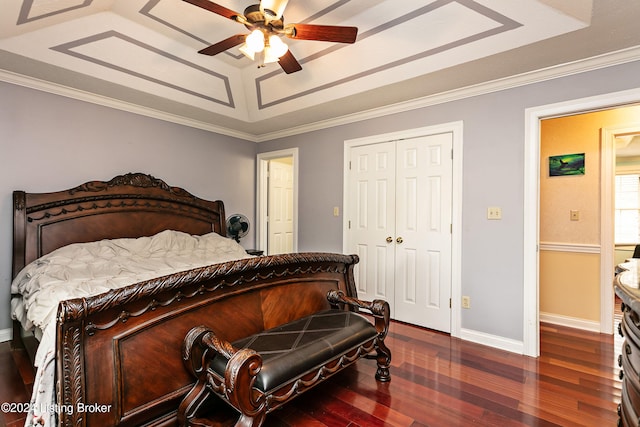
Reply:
x=399, y=240
x=389, y=239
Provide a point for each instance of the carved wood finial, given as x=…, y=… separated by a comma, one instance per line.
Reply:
x=19, y=200
x=135, y=179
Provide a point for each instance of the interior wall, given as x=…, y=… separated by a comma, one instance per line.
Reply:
x=493, y=175
x=570, y=250
x=67, y=141
x=48, y=143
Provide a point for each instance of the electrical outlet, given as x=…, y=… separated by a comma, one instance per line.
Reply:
x=494, y=212
x=336, y=211
x=466, y=302
x=574, y=215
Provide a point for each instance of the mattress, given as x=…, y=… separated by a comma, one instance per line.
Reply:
x=89, y=269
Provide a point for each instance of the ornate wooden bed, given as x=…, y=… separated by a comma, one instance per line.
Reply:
x=123, y=348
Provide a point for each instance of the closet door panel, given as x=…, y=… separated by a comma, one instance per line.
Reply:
x=423, y=229
x=372, y=188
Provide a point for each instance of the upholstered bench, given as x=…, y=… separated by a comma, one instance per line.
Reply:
x=258, y=373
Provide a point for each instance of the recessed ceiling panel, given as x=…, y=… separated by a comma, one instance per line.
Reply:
x=111, y=48
x=150, y=47
x=424, y=39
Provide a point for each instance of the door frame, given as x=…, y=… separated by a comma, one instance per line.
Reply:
x=531, y=214
x=262, y=195
x=456, y=128
x=607, y=223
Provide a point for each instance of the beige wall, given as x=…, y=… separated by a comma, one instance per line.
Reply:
x=569, y=257
x=569, y=285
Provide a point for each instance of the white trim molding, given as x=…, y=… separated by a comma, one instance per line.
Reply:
x=262, y=195
x=549, y=73
x=536, y=76
x=570, y=322
x=6, y=334
x=531, y=303
x=570, y=247
x=494, y=341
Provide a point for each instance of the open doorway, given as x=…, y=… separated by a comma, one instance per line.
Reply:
x=626, y=142
x=534, y=162
x=576, y=234
x=277, y=202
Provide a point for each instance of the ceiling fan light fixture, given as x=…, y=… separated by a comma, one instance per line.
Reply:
x=273, y=8
x=274, y=49
x=255, y=41
x=269, y=56
x=247, y=52
x=264, y=20
x=278, y=47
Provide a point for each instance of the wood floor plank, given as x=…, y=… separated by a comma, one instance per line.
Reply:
x=438, y=381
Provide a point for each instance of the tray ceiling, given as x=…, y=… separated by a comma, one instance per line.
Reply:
x=142, y=54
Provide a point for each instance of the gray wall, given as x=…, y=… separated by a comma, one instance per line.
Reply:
x=49, y=143
x=494, y=134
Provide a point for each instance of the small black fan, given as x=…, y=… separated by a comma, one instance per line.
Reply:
x=237, y=226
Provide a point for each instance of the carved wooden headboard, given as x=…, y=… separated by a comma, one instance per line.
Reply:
x=130, y=205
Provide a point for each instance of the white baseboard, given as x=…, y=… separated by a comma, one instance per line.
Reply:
x=515, y=346
x=495, y=341
x=571, y=322
x=6, y=334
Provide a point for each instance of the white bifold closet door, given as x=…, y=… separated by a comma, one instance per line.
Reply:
x=399, y=205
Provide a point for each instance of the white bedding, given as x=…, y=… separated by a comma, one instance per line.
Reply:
x=89, y=269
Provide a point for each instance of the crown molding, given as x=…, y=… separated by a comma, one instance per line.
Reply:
x=563, y=70
x=57, y=89
x=545, y=74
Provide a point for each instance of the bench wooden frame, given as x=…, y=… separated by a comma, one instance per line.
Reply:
x=243, y=365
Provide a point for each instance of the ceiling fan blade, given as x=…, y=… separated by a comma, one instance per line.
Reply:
x=326, y=33
x=289, y=63
x=215, y=8
x=219, y=47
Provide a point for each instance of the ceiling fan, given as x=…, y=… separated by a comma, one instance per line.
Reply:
x=266, y=23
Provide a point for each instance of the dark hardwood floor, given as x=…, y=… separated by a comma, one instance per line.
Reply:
x=440, y=381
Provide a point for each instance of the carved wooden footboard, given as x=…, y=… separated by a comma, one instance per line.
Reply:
x=122, y=350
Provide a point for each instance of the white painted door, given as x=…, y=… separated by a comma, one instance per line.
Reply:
x=372, y=218
x=401, y=226
x=423, y=231
x=280, y=207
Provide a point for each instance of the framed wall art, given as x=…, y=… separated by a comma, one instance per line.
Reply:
x=566, y=164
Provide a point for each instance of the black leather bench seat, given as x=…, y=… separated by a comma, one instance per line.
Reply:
x=294, y=348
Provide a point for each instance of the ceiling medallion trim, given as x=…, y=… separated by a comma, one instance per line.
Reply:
x=67, y=48
x=505, y=24
x=27, y=5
